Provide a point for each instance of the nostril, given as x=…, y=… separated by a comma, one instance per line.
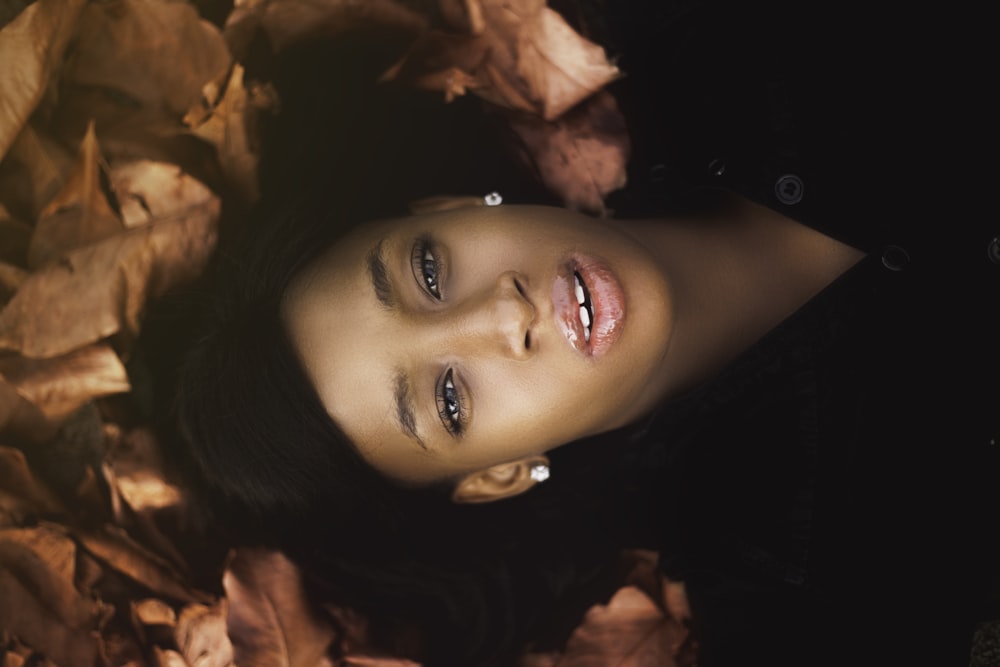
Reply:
x=520, y=289
x=527, y=340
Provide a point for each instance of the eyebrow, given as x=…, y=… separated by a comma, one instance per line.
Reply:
x=404, y=408
x=380, y=276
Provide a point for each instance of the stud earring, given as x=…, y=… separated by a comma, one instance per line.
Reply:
x=540, y=472
x=493, y=199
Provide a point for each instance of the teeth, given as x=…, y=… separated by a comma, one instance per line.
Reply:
x=581, y=299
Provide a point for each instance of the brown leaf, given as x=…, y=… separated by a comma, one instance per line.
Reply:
x=168, y=658
x=32, y=172
x=582, y=156
x=270, y=620
x=21, y=418
x=138, y=472
x=21, y=492
x=31, y=47
x=60, y=385
x=287, y=22
x=101, y=289
x=630, y=631
x=155, y=54
x=225, y=125
x=11, y=278
x=151, y=611
x=117, y=550
x=376, y=661
x=201, y=635
x=40, y=603
x=523, y=56
x=79, y=214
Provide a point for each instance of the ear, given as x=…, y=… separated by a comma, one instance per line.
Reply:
x=504, y=480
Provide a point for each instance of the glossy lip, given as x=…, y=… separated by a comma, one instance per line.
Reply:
x=606, y=296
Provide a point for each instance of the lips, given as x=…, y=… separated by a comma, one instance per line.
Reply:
x=588, y=290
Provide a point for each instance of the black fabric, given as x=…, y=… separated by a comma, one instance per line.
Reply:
x=827, y=499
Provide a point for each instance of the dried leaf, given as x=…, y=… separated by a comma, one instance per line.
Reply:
x=116, y=549
x=151, y=611
x=21, y=492
x=79, y=214
x=60, y=385
x=154, y=54
x=287, y=22
x=40, y=603
x=375, y=661
x=201, y=635
x=630, y=631
x=270, y=621
x=148, y=191
x=11, y=278
x=168, y=658
x=101, y=289
x=21, y=418
x=32, y=172
x=523, y=56
x=225, y=126
x=31, y=47
x=138, y=472
x=582, y=156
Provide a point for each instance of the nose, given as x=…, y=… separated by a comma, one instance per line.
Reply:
x=499, y=317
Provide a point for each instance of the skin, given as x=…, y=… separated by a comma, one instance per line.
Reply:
x=696, y=293
x=498, y=268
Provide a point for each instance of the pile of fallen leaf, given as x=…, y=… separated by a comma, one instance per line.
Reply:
x=121, y=123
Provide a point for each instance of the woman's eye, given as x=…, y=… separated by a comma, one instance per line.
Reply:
x=426, y=268
x=450, y=404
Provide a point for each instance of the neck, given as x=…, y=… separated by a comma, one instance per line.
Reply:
x=734, y=274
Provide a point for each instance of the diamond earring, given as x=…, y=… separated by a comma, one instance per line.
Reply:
x=540, y=472
x=493, y=199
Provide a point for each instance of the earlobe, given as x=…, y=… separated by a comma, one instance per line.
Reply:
x=504, y=480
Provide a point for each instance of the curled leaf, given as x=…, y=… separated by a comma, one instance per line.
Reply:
x=40, y=603
x=21, y=492
x=630, y=631
x=521, y=55
x=11, y=278
x=153, y=54
x=32, y=172
x=101, y=289
x=287, y=22
x=201, y=635
x=270, y=620
x=137, y=472
x=22, y=418
x=80, y=213
x=168, y=658
x=151, y=611
x=60, y=385
x=31, y=47
x=226, y=124
x=121, y=553
x=581, y=156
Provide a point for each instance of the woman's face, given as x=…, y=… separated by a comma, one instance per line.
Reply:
x=446, y=343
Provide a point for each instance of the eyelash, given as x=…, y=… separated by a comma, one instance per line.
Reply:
x=427, y=270
x=426, y=267
x=450, y=404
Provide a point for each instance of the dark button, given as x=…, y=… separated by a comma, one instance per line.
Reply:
x=789, y=189
x=993, y=250
x=895, y=258
x=717, y=167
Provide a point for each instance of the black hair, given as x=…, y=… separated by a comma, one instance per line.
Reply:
x=470, y=583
